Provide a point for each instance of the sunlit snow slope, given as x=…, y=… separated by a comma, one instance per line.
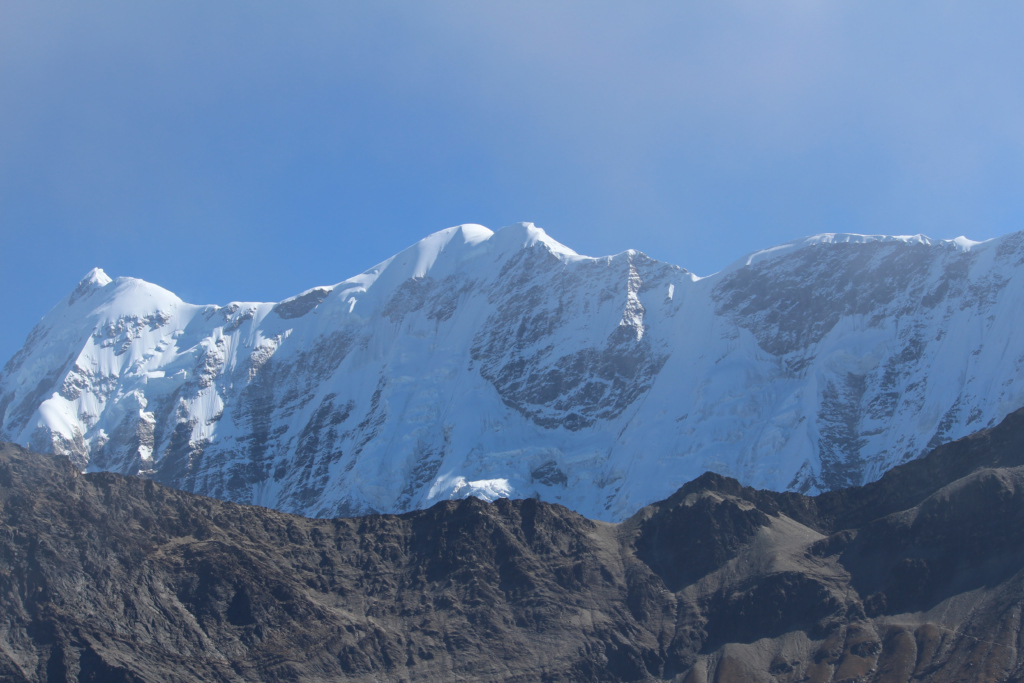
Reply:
x=504, y=364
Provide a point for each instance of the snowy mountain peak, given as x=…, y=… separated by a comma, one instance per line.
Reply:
x=97, y=277
x=527, y=235
x=467, y=253
x=93, y=280
x=446, y=249
x=961, y=244
x=129, y=295
x=505, y=364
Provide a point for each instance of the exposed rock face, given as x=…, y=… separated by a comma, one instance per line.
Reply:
x=504, y=364
x=919, y=576
x=524, y=350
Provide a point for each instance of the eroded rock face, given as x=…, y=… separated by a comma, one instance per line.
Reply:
x=793, y=304
x=495, y=364
x=537, y=365
x=919, y=576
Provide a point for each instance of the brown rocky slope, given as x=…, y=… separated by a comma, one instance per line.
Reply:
x=919, y=576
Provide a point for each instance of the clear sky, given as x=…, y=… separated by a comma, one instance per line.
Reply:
x=250, y=150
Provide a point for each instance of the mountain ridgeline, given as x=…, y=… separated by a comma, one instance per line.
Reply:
x=503, y=364
x=917, y=576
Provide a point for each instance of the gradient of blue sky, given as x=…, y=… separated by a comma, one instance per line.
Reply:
x=250, y=150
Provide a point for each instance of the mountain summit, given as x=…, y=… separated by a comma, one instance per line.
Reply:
x=503, y=364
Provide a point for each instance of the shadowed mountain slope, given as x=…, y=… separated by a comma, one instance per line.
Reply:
x=917, y=576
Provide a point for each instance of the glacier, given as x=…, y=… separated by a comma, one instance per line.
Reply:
x=504, y=364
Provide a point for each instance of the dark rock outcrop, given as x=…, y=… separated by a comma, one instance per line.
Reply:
x=919, y=576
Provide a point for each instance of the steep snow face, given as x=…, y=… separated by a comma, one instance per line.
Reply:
x=504, y=364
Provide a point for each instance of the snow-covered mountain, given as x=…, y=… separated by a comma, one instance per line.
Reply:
x=504, y=364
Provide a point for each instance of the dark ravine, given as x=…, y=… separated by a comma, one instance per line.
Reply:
x=918, y=576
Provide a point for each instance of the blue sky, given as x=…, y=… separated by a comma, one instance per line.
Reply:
x=251, y=150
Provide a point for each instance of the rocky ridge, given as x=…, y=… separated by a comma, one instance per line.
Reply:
x=503, y=364
x=916, y=577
